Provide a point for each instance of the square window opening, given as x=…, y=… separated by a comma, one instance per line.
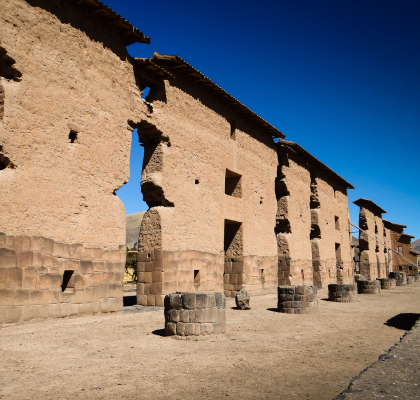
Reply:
x=68, y=281
x=233, y=184
x=196, y=276
x=337, y=222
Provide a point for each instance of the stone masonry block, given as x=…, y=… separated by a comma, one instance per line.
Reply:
x=56, y=281
x=145, y=277
x=206, y=329
x=10, y=242
x=22, y=243
x=189, y=301
x=2, y=240
x=7, y=297
x=170, y=329
x=201, y=300
x=211, y=314
x=175, y=301
x=37, y=259
x=15, y=278
x=86, y=267
x=76, y=251
x=189, y=329
x=157, y=276
x=184, y=315
x=98, y=266
x=159, y=300
x=142, y=299
x=141, y=267
x=197, y=316
x=54, y=311
x=29, y=278
x=211, y=300
x=219, y=300
x=36, y=243
x=174, y=315
x=24, y=258
x=116, y=304
x=156, y=288
x=50, y=261
x=180, y=329
x=47, y=246
x=151, y=300
x=4, y=277
x=44, y=282
x=8, y=258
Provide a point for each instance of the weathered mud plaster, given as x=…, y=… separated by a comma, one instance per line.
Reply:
x=374, y=260
x=216, y=170
x=67, y=92
x=312, y=220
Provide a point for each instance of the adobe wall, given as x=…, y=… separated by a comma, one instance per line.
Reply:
x=63, y=133
x=399, y=263
x=388, y=255
x=334, y=249
x=308, y=204
x=293, y=228
x=183, y=182
x=373, y=262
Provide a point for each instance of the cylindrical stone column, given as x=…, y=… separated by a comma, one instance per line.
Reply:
x=368, y=287
x=416, y=277
x=342, y=293
x=410, y=279
x=400, y=277
x=194, y=314
x=297, y=299
x=387, y=283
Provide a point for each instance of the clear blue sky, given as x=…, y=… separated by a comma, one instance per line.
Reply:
x=341, y=78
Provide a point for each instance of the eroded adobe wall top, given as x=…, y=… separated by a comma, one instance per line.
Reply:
x=64, y=124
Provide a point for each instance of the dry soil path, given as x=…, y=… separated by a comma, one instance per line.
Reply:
x=264, y=354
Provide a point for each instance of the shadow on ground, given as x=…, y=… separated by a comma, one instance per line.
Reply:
x=404, y=321
x=159, y=332
x=129, y=301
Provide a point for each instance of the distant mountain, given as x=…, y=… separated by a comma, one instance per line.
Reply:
x=416, y=245
x=133, y=222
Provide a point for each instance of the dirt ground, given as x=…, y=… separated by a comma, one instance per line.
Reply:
x=264, y=354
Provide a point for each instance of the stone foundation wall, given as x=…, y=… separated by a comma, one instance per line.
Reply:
x=163, y=272
x=36, y=282
x=369, y=287
x=297, y=299
x=320, y=274
x=195, y=314
x=342, y=293
x=258, y=275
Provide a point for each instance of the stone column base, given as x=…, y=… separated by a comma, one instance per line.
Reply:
x=341, y=293
x=297, y=299
x=194, y=314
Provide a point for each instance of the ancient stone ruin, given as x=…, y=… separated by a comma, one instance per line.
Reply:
x=195, y=314
x=232, y=205
x=297, y=299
